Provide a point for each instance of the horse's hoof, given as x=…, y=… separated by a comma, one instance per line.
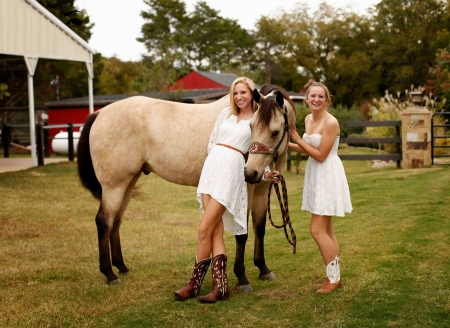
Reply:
x=268, y=276
x=115, y=282
x=124, y=273
x=244, y=288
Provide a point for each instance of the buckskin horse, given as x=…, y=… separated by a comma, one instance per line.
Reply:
x=111, y=160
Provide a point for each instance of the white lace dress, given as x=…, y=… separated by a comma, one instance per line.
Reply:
x=222, y=175
x=325, y=188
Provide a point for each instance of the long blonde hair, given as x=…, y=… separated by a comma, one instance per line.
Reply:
x=250, y=84
x=312, y=83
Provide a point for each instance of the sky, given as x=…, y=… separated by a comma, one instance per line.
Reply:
x=118, y=22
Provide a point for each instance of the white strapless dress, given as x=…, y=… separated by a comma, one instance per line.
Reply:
x=325, y=188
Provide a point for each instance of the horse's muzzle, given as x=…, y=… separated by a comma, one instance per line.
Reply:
x=252, y=177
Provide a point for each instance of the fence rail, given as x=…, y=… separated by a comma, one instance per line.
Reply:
x=42, y=138
x=397, y=140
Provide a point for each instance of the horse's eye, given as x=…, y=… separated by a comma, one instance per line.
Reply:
x=275, y=133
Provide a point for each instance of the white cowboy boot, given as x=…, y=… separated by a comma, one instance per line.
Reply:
x=333, y=280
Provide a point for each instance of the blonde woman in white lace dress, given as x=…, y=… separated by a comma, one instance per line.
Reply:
x=222, y=192
x=325, y=190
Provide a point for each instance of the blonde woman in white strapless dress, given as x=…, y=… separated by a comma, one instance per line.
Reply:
x=325, y=189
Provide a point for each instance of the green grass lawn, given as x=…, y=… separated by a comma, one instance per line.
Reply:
x=394, y=256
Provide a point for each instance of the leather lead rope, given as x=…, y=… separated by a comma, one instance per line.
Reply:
x=284, y=212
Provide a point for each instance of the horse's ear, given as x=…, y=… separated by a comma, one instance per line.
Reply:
x=280, y=100
x=257, y=96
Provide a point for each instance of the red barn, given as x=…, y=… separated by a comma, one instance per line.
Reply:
x=198, y=80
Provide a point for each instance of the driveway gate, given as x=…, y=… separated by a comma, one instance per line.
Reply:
x=440, y=139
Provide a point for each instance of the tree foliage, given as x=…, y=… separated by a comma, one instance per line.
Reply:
x=439, y=78
x=178, y=42
x=408, y=34
x=398, y=44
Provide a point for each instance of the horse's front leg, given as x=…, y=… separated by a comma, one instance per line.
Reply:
x=259, y=210
x=243, y=284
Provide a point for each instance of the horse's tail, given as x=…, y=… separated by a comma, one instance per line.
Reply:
x=85, y=168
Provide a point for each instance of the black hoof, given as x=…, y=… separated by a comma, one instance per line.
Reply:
x=268, y=276
x=244, y=288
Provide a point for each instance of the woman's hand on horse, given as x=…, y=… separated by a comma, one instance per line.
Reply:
x=294, y=134
x=275, y=176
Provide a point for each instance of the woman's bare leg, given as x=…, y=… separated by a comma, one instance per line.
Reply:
x=210, y=231
x=321, y=228
x=330, y=233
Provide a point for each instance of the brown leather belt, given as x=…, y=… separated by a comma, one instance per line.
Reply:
x=231, y=147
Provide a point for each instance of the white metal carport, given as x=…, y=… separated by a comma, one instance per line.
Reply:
x=28, y=29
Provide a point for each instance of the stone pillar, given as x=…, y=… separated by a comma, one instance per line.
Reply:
x=416, y=137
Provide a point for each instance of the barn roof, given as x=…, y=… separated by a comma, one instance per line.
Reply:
x=225, y=79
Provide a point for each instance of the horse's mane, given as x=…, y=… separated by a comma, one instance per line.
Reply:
x=268, y=106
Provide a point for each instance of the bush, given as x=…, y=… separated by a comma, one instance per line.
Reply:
x=389, y=108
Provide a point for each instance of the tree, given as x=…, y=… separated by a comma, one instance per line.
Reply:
x=407, y=36
x=332, y=46
x=162, y=35
x=270, y=36
x=439, y=79
x=213, y=42
x=117, y=77
x=178, y=42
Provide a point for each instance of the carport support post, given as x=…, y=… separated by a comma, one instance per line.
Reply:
x=90, y=68
x=31, y=66
x=70, y=140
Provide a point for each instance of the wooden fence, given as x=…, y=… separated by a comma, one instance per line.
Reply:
x=397, y=156
x=42, y=139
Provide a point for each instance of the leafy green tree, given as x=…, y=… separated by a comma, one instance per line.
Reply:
x=332, y=46
x=177, y=41
x=270, y=37
x=163, y=36
x=213, y=42
x=117, y=77
x=439, y=79
x=162, y=32
x=154, y=76
x=407, y=34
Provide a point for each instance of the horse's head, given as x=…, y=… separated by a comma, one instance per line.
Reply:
x=270, y=131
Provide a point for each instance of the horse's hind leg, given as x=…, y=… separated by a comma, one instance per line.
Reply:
x=116, y=249
x=107, y=217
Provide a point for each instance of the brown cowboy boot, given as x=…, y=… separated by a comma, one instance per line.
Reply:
x=220, y=291
x=195, y=283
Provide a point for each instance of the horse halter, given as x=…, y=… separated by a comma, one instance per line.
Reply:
x=259, y=148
